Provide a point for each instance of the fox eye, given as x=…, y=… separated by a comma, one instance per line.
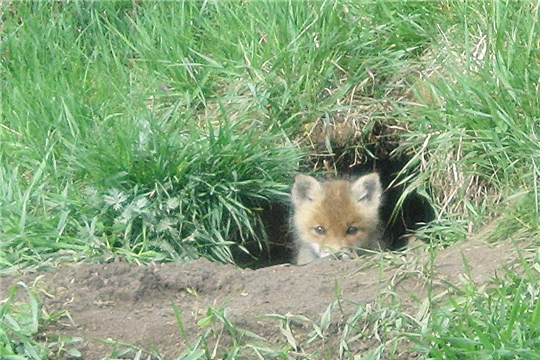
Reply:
x=320, y=230
x=352, y=230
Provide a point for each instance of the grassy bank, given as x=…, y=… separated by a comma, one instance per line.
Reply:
x=158, y=130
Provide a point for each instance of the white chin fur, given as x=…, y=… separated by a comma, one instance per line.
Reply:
x=326, y=251
x=319, y=251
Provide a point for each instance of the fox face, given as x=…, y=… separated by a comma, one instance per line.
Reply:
x=334, y=216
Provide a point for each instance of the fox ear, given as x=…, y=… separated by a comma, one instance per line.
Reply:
x=368, y=189
x=305, y=188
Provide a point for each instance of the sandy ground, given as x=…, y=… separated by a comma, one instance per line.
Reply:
x=133, y=304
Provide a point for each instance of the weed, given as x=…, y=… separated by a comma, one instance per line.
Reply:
x=19, y=323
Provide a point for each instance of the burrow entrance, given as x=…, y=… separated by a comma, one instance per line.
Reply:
x=356, y=148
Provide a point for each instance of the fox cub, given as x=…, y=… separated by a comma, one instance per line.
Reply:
x=334, y=216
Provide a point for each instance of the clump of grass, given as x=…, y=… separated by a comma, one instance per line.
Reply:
x=222, y=338
x=211, y=194
x=498, y=322
x=19, y=323
x=477, y=140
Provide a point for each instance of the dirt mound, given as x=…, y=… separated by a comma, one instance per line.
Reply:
x=133, y=304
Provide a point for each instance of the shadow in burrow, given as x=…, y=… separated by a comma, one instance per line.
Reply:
x=414, y=212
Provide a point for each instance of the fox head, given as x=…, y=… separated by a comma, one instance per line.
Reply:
x=334, y=215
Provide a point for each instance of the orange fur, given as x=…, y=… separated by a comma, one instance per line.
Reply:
x=335, y=215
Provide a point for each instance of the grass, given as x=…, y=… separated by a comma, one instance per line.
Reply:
x=158, y=131
x=140, y=111
x=19, y=322
x=496, y=323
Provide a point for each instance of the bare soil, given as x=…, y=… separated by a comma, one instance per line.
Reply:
x=132, y=304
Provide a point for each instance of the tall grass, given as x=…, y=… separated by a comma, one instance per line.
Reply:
x=478, y=137
x=160, y=129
